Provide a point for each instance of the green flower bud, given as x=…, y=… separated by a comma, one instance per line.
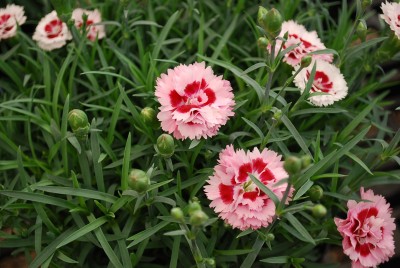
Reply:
x=138, y=180
x=316, y=193
x=165, y=145
x=366, y=3
x=273, y=22
x=292, y=165
x=262, y=42
x=79, y=123
x=277, y=115
x=177, y=213
x=305, y=61
x=210, y=261
x=305, y=161
x=261, y=16
x=193, y=207
x=149, y=117
x=198, y=218
x=270, y=237
x=319, y=211
x=361, y=30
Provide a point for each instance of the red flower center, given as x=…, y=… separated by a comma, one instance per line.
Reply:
x=195, y=95
x=53, y=28
x=361, y=231
x=257, y=167
x=321, y=82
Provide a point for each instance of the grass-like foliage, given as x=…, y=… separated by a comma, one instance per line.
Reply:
x=101, y=194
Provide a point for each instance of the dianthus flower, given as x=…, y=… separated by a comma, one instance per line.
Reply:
x=234, y=195
x=10, y=17
x=194, y=102
x=327, y=79
x=367, y=231
x=306, y=42
x=51, y=32
x=93, y=30
x=391, y=14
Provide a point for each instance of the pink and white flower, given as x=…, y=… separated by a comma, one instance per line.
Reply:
x=368, y=230
x=93, y=29
x=391, y=15
x=233, y=194
x=10, y=17
x=307, y=42
x=194, y=102
x=328, y=80
x=51, y=32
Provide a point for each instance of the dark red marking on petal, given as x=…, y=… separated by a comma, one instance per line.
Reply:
x=192, y=88
x=250, y=195
x=210, y=96
x=293, y=35
x=226, y=192
x=367, y=213
x=203, y=84
x=186, y=108
x=4, y=18
x=175, y=98
x=305, y=43
x=267, y=175
x=243, y=170
x=258, y=165
x=363, y=249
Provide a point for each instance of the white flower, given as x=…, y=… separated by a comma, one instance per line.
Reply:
x=391, y=14
x=10, y=18
x=328, y=79
x=93, y=30
x=51, y=32
x=306, y=42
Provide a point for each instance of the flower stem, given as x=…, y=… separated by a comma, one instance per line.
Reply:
x=271, y=72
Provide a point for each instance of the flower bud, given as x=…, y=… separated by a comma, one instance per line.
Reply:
x=193, y=207
x=149, y=117
x=270, y=237
x=277, y=114
x=305, y=61
x=305, y=161
x=292, y=165
x=273, y=22
x=262, y=42
x=261, y=16
x=361, y=30
x=177, y=213
x=316, y=193
x=319, y=211
x=210, y=262
x=138, y=180
x=198, y=218
x=165, y=145
x=79, y=123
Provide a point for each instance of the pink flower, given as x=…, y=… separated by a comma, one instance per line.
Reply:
x=306, y=41
x=368, y=230
x=10, y=18
x=328, y=79
x=51, y=32
x=93, y=30
x=194, y=102
x=391, y=14
x=233, y=194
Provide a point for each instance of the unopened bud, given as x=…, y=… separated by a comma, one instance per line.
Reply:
x=262, y=42
x=165, y=145
x=270, y=237
x=177, y=213
x=305, y=161
x=261, y=16
x=210, y=262
x=361, y=30
x=193, y=207
x=273, y=23
x=149, y=117
x=277, y=115
x=79, y=123
x=319, y=211
x=305, y=61
x=198, y=218
x=316, y=193
x=138, y=180
x=292, y=165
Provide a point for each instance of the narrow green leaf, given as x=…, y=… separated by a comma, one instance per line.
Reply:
x=78, y=192
x=233, y=252
x=40, y=198
x=265, y=189
x=303, y=189
x=300, y=228
x=254, y=127
x=359, y=161
x=126, y=164
x=296, y=135
x=139, y=237
x=278, y=259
